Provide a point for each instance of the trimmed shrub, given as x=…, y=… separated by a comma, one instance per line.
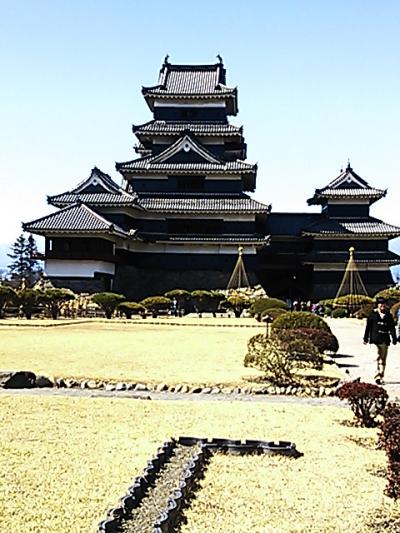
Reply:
x=237, y=302
x=339, y=312
x=180, y=294
x=364, y=312
x=54, y=299
x=108, y=301
x=322, y=340
x=367, y=401
x=7, y=296
x=352, y=301
x=300, y=319
x=155, y=304
x=262, y=304
x=273, y=313
x=395, y=310
x=207, y=301
x=327, y=302
x=28, y=299
x=390, y=437
x=131, y=308
x=280, y=354
x=392, y=295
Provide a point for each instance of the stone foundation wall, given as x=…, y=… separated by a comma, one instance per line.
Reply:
x=79, y=285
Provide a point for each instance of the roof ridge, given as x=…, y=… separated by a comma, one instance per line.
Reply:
x=186, y=137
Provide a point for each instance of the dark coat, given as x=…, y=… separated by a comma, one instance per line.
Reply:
x=379, y=330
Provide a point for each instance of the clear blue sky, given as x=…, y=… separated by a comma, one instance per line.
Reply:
x=318, y=82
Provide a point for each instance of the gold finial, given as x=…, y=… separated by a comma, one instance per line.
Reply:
x=240, y=250
x=351, y=250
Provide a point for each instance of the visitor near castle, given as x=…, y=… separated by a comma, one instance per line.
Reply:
x=380, y=330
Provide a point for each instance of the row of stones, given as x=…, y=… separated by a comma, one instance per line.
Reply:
x=183, y=388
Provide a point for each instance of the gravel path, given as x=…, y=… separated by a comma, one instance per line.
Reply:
x=167, y=481
x=358, y=360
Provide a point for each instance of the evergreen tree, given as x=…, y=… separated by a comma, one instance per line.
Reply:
x=32, y=258
x=24, y=262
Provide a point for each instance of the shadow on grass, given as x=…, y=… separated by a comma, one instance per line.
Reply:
x=346, y=365
x=384, y=518
x=377, y=471
x=368, y=443
x=341, y=356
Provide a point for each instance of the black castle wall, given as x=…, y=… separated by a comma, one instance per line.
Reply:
x=137, y=283
x=190, y=113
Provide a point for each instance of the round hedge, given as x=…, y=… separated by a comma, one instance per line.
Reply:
x=392, y=294
x=300, y=319
x=364, y=312
x=179, y=294
x=273, y=312
x=395, y=310
x=355, y=301
x=339, y=312
x=156, y=302
x=322, y=339
x=262, y=304
x=131, y=308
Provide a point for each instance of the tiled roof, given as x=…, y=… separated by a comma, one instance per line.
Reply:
x=385, y=257
x=145, y=164
x=191, y=79
x=162, y=127
x=142, y=150
x=98, y=189
x=330, y=227
x=166, y=161
x=347, y=185
x=354, y=193
x=192, y=82
x=347, y=176
x=187, y=194
x=206, y=237
x=96, y=199
x=73, y=219
x=203, y=205
x=99, y=178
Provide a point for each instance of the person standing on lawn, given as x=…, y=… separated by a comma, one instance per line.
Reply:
x=380, y=329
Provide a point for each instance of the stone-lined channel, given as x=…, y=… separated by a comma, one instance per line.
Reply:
x=155, y=501
x=167, y=481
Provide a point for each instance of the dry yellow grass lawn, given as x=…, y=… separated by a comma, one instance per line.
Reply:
x=133, y=351
x=64, y=461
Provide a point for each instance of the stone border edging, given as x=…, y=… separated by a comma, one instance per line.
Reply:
x=38, y=381
x=184, y=388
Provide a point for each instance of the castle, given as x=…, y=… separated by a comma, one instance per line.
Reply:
x=183, y=208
